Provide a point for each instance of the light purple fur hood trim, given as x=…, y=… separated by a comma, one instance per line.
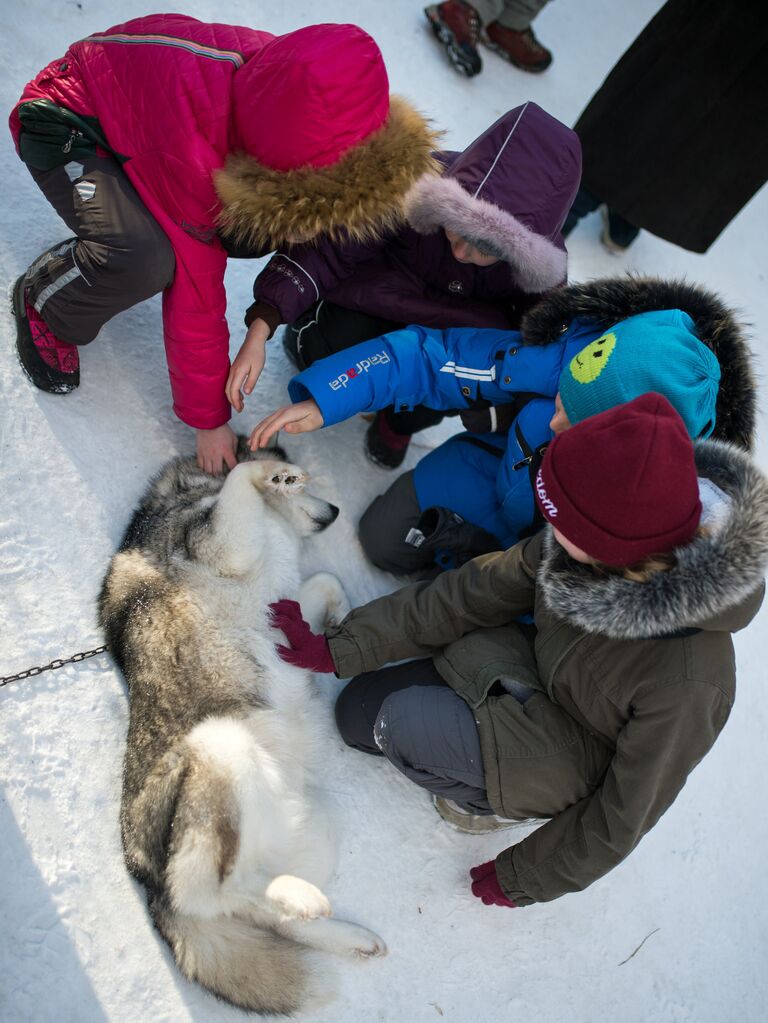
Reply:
x=435, y=202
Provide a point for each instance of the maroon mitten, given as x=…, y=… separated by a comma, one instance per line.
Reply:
x=485, y=885
x=307, y=649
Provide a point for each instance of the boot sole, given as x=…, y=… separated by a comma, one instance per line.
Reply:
x=475, y=824
x=44, y=377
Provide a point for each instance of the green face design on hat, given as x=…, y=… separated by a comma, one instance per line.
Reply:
x=592, y=360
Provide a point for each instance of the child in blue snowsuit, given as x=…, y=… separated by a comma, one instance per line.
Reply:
x=488, y=480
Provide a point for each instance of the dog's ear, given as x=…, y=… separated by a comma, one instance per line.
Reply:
x=244, y=453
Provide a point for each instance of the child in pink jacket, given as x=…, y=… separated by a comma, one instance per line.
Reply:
x=158, y=141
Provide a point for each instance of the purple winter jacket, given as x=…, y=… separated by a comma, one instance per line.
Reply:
x=508, y=193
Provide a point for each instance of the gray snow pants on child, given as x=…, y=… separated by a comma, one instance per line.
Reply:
x=119, y=257
x=410, y=715
x=514, y=14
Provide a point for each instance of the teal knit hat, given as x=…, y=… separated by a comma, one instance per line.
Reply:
x=656, y=351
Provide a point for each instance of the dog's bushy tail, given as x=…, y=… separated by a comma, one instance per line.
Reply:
x=254, y=969
x=181, y=836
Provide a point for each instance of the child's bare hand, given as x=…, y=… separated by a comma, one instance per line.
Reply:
x=216, y=449
x=303, y=417
x=248, y=364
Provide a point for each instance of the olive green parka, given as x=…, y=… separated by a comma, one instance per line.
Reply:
x=634, y=680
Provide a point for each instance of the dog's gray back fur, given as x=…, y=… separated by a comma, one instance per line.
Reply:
x=154, y=643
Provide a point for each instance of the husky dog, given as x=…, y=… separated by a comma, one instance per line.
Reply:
x=218, y=819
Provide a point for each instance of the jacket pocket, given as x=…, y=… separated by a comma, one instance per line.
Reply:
x=59, y=68
x=472, y=664
x=538, y=760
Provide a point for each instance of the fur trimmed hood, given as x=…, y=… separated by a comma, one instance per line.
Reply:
x=610, y=299
x=508, y=193
x=716, y=585
x=360, y=196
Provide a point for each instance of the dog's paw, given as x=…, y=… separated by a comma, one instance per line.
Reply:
x=338, y=608
x=287, y=479
x=297, y=899
x=369, y=945
x=356, y=941
x=273, y=477
x=323, y=601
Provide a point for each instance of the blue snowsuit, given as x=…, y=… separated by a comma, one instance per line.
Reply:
x=487, y=478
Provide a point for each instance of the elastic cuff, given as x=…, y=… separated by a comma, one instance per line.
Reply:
x=268, y=313
x=344, y=654
x=212, y=422
x=508, y=880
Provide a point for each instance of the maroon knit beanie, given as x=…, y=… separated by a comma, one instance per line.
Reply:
x=622, y=485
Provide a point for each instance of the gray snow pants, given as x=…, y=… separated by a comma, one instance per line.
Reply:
x=514, y=14
x=410, y=715
x=385, y=524
x=119, y=257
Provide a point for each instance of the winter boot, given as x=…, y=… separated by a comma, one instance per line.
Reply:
x=476, y=823
x=522, y=48
x=457, y=25
x=383, y=446
x=617, y=234
x=51, y=364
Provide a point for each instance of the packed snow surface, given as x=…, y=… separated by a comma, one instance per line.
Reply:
x=76, y=943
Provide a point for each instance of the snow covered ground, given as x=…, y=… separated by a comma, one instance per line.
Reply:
x=76, y=945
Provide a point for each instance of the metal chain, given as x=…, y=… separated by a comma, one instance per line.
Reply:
x=59, y=662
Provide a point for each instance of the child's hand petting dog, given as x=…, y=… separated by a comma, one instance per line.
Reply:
x=306, y=649
x=303, y=417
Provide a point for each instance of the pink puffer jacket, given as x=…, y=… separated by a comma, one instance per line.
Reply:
x=177, y=96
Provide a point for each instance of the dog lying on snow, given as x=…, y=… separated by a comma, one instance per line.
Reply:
x=218, y=818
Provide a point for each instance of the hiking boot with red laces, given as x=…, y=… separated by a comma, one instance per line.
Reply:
x=383, y=446
x=51, y=364
x=457, y=25
x=522, y=49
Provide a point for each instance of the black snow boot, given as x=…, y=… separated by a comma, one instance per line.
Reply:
x=51, y=364
x=383, y=446
x=450, y=537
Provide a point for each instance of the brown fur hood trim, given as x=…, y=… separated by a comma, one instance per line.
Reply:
x=360, y=196
x=610, y=299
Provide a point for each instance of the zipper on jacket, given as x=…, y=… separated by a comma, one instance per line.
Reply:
x=529, y=452
x=532, y=461
x=73, y=134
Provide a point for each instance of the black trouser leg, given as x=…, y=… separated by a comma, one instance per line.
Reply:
x=385, y=524
x=584, y=203
x=120, y=255
x=328, y=328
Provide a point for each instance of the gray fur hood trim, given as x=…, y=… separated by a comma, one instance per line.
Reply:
x=715, y=573
x=434, y=203
x=611, y=299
